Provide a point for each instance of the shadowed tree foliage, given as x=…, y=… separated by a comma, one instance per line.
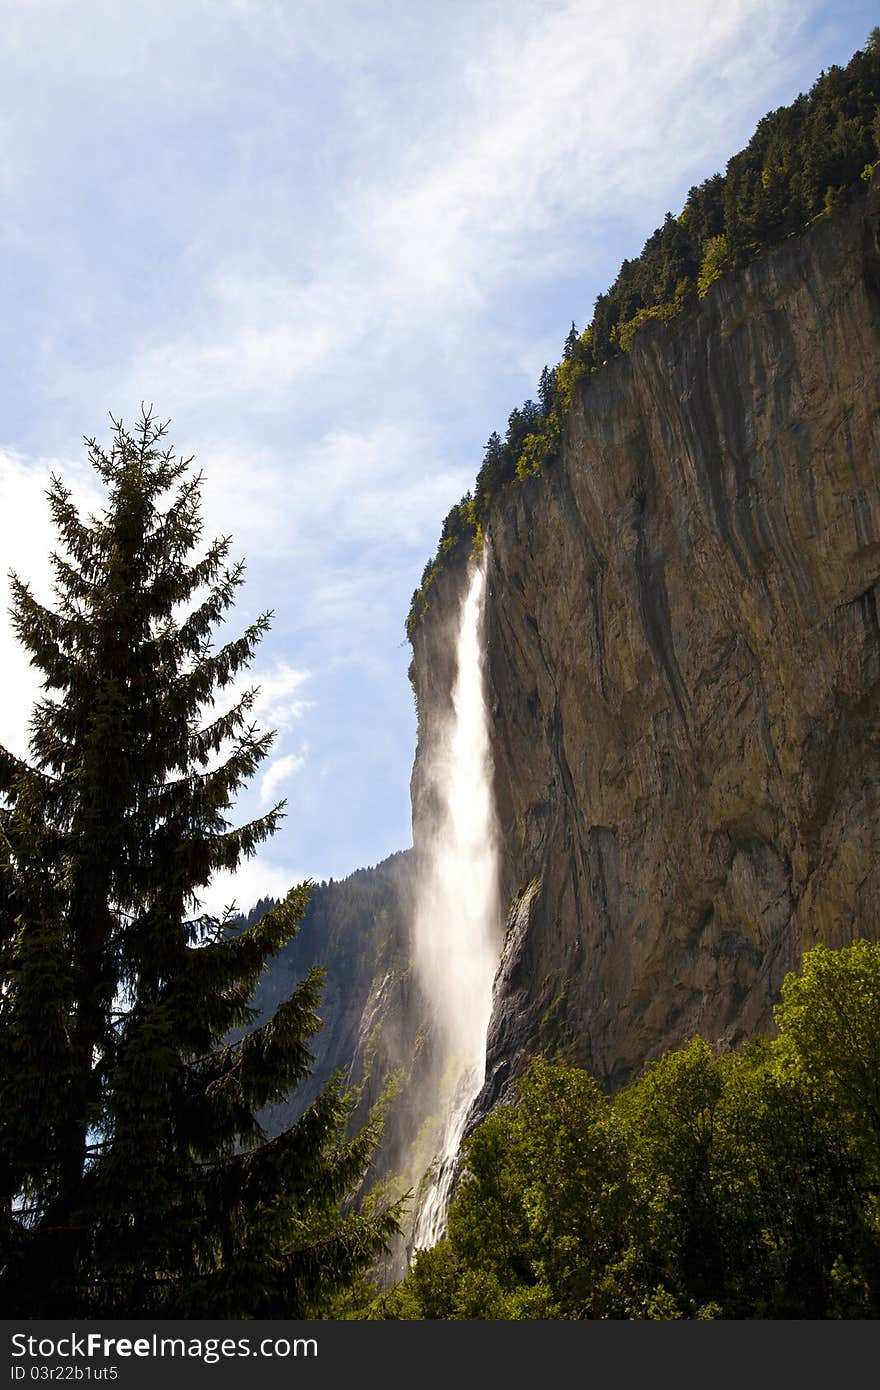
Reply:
x=135, y=1177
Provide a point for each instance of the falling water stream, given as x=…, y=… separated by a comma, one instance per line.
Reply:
x=457, y=919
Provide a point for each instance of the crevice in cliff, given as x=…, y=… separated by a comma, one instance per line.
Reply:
x=655, y=615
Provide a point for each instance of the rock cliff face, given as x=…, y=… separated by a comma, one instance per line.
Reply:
x=684, y=657
x=376, y=1032
x=356, y=930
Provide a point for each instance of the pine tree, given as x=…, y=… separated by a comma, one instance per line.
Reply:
x=136, y=1178
x=547, y=389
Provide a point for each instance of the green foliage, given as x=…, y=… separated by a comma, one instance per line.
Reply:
x=669, y=1117
x=745, y=1185
x=459, y=532
x=569, y=372
x=801, y=159
x=538, y=1214
x=135, y=1177
x=538, y=450
x=622, y=334
x=802, y=162
x=827, y=1023
x=716, y=261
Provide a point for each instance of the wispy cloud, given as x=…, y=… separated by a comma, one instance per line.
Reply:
x=278, y=702
x=280, y=771
x=388, y=483
x=568, y=111
x=336, y=243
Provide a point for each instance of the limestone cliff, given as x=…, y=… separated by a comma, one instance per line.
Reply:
x=684, y=656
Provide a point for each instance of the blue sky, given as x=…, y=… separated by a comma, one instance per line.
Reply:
x=335, y=243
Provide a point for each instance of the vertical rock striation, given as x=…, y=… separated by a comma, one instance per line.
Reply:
x=684, y=654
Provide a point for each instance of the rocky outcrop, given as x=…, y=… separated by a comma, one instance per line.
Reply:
x=684, y=656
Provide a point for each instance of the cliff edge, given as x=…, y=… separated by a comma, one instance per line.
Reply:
x=684, y=667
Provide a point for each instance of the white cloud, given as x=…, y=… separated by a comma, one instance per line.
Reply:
x=262, y=338
x=575, y=110
x=277, y=707
x=383, y=484
x=386, y=483
x=277, y=702
x=255, y=878
x=91, y=40
x=515, y=158
x=280, y=771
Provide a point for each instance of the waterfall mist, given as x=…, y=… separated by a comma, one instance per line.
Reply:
x=457, y=924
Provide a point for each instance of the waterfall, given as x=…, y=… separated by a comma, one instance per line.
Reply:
x=457, y=924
